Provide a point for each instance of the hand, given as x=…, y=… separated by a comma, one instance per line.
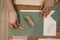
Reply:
x=48, y=4
x=13, y=22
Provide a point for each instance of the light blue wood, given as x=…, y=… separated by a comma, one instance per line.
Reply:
x=38, y=29
x=29, y=31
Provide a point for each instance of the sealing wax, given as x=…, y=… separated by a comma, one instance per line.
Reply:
x=29, y=20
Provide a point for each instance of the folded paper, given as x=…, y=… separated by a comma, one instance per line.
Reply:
x=49, y=25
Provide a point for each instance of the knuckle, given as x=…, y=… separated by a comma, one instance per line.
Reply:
x=11, y=22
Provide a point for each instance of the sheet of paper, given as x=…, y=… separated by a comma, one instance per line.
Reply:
x=47, y=39
x=29, y=2
x=49, y=25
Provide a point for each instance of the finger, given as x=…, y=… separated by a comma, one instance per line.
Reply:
x=15, y=25
x=11, y=26
x=43, y=11
x=18, y=24
x=49, y=10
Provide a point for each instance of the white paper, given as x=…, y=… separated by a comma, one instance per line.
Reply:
x=29, y=2
x=49, y=25
x=47, y=39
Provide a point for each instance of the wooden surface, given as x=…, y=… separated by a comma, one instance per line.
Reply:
x=36, y=38
x=26, y=7
x=3, y=21
x=30, y=7
x=3, y=24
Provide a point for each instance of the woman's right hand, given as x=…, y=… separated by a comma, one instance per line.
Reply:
x=13, y=20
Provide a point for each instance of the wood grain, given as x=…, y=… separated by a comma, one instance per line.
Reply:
x=30, y=7
x=27, y=7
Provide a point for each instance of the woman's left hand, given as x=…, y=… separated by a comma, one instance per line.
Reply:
x=48, y=4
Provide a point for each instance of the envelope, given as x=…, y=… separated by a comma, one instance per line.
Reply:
x=49, y=25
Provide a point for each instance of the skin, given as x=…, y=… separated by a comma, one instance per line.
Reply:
x=48, y=4
x=13, y=21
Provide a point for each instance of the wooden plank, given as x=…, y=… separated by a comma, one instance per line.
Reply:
x=35, y=38
x=27, y=7
x=3, y=21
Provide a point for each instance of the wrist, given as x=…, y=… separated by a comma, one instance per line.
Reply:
x=12, y=12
